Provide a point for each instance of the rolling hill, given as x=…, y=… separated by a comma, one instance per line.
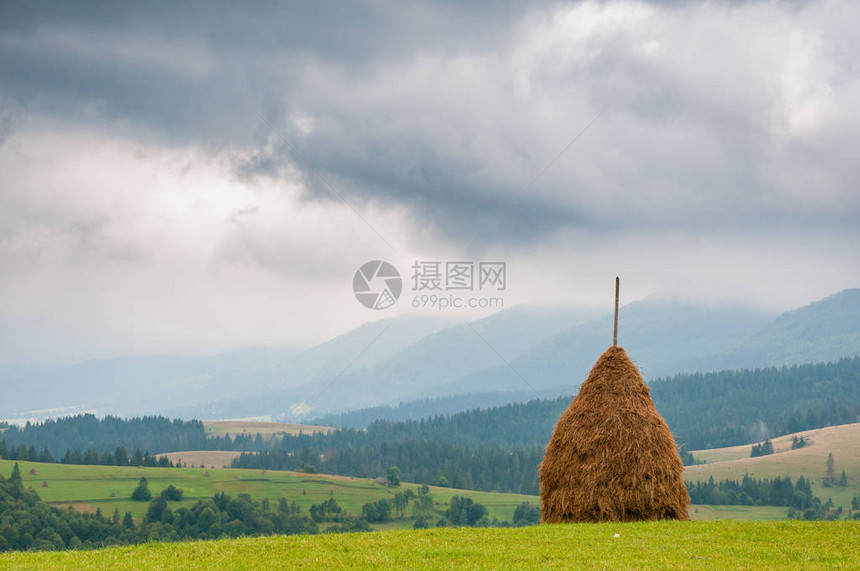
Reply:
x=842, y=441
x=88, y=488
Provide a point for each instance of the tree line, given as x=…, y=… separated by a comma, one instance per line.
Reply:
x=491, y=449
x=703, y=410
x=420, y=461
x=118, y=457
x=753, y=492
x=798, y=497
x=56, y=437
x=27, y=523
x=728, y=408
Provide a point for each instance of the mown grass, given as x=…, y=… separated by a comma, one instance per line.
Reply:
x=645, y=545
x=266, y=429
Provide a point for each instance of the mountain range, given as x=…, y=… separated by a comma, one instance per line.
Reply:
x=517, y=353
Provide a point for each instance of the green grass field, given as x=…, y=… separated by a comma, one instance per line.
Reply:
x=753, y=513
x=645, y=545
x=90, y=487
x=87, y=488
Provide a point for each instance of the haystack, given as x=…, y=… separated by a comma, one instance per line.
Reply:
x=611, y=456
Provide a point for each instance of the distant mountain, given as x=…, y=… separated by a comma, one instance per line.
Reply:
x=434, y=360
x=669, y=337
x=658, y=334
x=141, y=384
x=423, y=408
x=533, y=351
x=126, y=385
x=664, y=337
x=824, y=330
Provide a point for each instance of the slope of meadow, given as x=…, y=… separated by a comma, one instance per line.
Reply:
x=644, y=545
x=266, y=429
x=87, y=488
x=810, y=461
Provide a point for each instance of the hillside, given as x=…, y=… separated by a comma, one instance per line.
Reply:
x=809, y=461
x=659, y=334
x=646, y=545
x=824, y=330
x=88, y=488
x=420, y=358
x=176, y=383
x=265, y=429
x=438, y=358
x=664, y=337
x=202, y=458
x=703, y=410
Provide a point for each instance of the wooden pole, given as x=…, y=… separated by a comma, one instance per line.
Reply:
x=615, y=331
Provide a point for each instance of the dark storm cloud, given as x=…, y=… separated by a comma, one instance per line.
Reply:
x=190, y=68
x=201, y=72
x=451, y=109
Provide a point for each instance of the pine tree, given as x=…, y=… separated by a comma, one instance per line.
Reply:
x=830, y=475
x=15, y=478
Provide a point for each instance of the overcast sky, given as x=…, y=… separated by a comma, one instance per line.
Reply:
x=166, y=172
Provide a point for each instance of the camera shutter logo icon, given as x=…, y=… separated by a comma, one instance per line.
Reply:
x=377, y=285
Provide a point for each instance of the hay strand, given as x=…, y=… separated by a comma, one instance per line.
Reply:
x=611, y=456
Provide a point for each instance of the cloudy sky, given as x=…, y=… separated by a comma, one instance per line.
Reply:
x=201, y=178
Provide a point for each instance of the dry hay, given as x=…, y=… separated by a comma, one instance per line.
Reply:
x=611, y=456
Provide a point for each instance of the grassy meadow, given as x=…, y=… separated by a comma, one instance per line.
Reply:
x=643, y=545
x=810, y=461
x=87, y=488
x=266, y=429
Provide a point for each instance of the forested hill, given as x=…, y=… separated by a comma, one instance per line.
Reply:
x=713, y=410
x=426, y=408
x=499, y=448
x=85, y=431
x=703, y=410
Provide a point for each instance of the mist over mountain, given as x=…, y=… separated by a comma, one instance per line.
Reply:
x=513, y=355
x=658, y=334
x=435, y=360
x=824, y=330
x=143, y=384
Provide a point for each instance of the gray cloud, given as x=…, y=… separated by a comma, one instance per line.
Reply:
x=451, y=109
x=724, y=124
